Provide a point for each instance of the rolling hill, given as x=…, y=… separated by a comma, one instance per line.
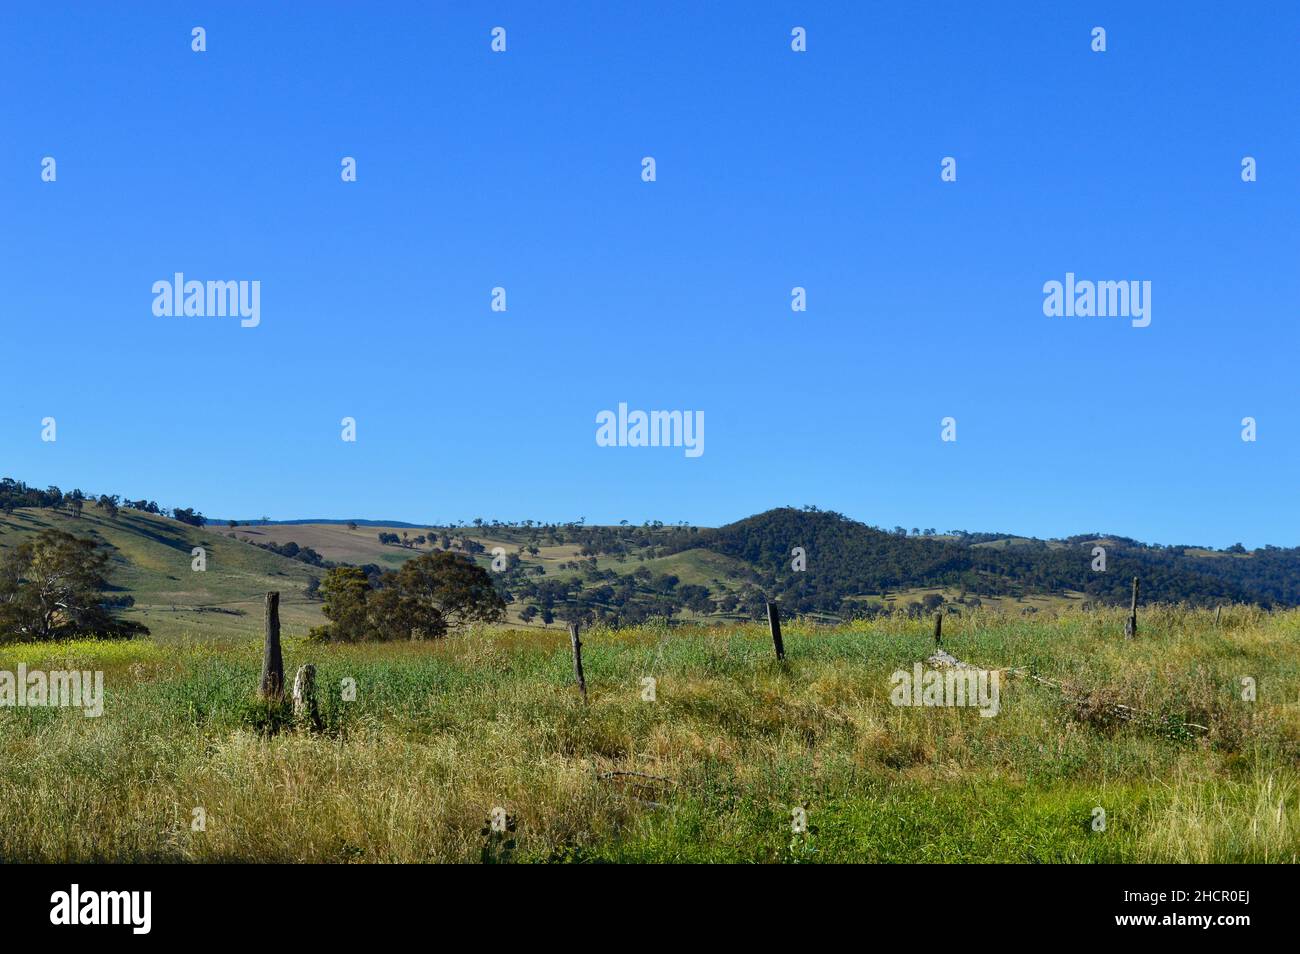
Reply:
x=549, y=573
x=845, y=558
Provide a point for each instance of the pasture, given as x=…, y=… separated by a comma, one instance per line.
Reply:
x=732, y=747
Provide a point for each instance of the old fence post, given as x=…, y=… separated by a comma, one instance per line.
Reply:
x=272, y=662
x=1131, y=626
x=1217, y=610
x=305, y=709
x=938, y=630
x=577, y=660
x=774, y=624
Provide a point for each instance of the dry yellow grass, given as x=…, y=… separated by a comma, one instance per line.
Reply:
x=442, y=733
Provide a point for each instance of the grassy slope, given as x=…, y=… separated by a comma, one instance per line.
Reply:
x=152, y=561
x=441, y=733
x=362, y=546
x=698, y=566
x=334, y=541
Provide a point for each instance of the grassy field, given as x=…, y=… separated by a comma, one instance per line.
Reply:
x=441, y=733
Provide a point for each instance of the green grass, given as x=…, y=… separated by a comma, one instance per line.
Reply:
x=698, y=566
x=442, y=732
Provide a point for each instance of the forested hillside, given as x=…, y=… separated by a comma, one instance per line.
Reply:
x=845, y=558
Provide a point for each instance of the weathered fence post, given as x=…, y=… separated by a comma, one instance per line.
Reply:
x=272, y=662
x=1131, y=625
x=577, y=660
x=305, y=709
x=774, y=624
x=1217, y=610
x=938, y=630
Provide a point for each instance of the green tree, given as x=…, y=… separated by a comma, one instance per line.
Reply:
x=460, y=590
x=53, y=587
x=428, y=596
x=344, y=591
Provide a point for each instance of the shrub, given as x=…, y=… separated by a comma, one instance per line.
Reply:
x=428, y=596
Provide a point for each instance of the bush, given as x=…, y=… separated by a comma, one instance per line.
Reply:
x=428, y=596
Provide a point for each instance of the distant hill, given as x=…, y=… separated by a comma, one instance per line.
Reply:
x=400, y=524
x=548, y=573
x=847, y=558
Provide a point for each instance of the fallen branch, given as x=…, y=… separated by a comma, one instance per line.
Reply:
x=654, y=778
x=945, y=660
x=1126, y=713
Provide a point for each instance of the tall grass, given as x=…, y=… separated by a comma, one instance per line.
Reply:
x=441, y=733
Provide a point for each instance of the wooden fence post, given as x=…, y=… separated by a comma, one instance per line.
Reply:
x=774, y=624
x=272, y=662
x=305, y=710
x=1217, y=610
x=938, y=630
x=1131, y=626
x=577, y=660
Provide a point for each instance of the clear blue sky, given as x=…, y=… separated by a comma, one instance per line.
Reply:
x=775, y=169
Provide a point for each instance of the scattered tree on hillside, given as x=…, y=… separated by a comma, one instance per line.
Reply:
x=189, y=516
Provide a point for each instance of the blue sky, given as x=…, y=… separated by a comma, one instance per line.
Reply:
x=775, y=169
